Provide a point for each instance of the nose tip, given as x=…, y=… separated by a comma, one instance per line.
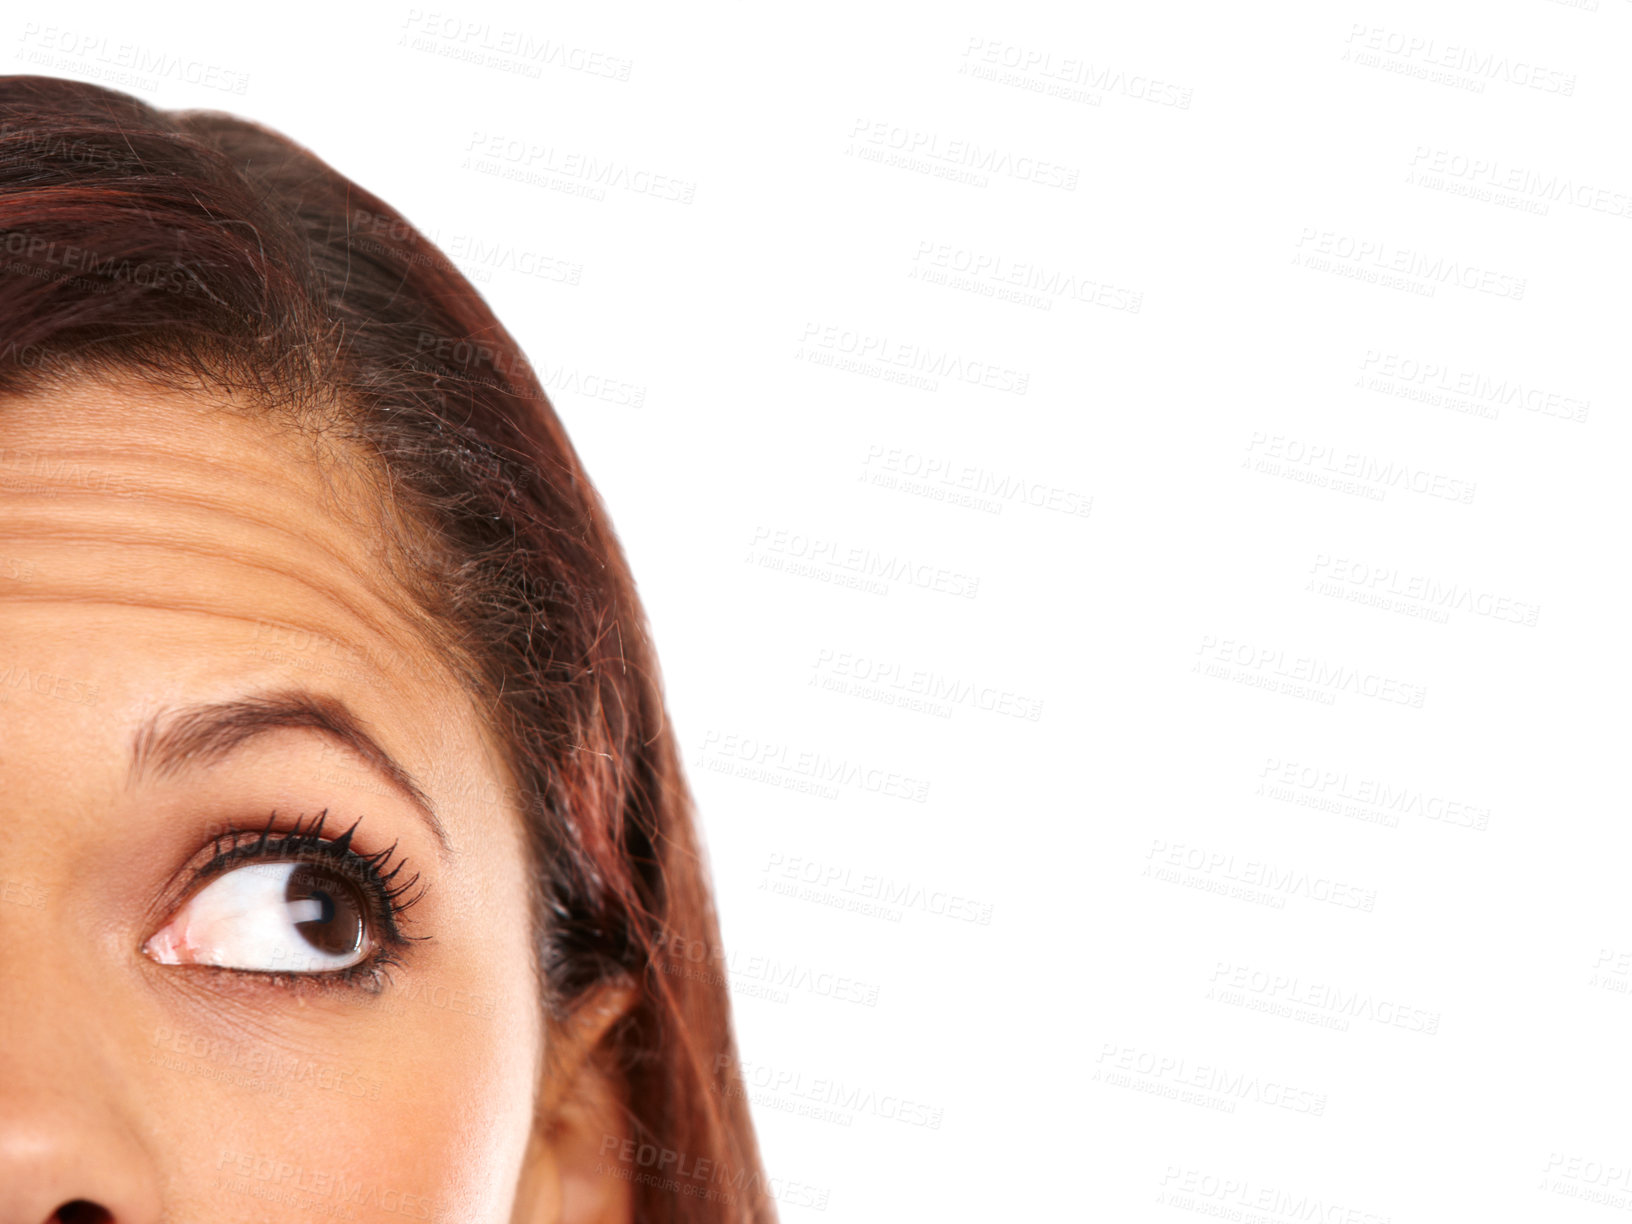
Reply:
x=62, y=1161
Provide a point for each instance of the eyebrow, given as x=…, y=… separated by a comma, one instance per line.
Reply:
x=201, y=735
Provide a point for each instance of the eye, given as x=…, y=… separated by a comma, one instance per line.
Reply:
x=304, y=909
x=274, y=917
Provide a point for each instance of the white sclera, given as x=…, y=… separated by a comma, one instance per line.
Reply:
x=244, y=920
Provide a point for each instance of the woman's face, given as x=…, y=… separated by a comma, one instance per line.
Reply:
x=197, y=641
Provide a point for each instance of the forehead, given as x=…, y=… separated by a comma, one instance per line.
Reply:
x=114, y=487
x=159, y=548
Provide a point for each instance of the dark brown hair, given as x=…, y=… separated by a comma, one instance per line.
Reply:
x=196, y=251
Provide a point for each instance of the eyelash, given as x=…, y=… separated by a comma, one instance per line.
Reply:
x=375, y=874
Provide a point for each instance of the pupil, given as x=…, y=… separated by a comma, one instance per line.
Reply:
x=338, y=929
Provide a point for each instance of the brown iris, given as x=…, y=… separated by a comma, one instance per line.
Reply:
x=338, y=927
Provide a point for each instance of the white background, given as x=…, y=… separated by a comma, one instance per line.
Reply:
x=1211, y=394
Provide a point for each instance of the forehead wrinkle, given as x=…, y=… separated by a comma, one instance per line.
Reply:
x=373, y=597
x=228, y=498
x=375, y=624
x=367, y=659
x=327, y=488
x=211, y=469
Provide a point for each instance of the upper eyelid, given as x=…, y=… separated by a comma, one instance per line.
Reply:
x=383, y=887
x=343, y=863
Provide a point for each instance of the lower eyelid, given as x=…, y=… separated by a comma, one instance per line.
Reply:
x=369, y=977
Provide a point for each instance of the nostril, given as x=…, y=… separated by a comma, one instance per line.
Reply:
x=81, y=1212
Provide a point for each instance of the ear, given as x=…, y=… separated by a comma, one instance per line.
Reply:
x=567, y=1176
